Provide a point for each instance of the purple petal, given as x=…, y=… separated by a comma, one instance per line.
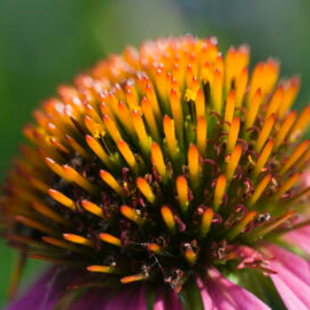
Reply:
x=167, y=299
x=206, y=298
x=292, y=279
x=119, y=301
x=300, y=237
x=130, y=298
x=48, y=291
x=225, y=295
x=137, y=299
x=43, y=294
x=94, y=299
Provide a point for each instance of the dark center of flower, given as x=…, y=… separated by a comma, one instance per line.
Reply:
x=158, y=163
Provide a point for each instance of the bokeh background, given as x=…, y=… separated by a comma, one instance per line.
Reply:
x=46, y=43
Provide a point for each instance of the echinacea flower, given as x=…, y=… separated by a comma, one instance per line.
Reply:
x=165, y=178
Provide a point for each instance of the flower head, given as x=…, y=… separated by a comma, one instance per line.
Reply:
x=170, y=166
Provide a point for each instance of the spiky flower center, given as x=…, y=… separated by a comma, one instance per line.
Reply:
x=158, y=162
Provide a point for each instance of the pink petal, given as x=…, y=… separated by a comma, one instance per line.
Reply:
x=300, y=237
x=95, y=299
x=292, y=279
x=167, y=299
x=120, y=300
x=46, y=293
x=225, y=295
x=138, y=300
x=206, y=298
x=43, y=294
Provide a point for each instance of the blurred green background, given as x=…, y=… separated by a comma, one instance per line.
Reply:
x=46, y=43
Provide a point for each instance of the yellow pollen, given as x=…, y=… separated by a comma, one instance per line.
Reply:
x=259, y=189
x=153, y=247
x=98, y=150
x=262, y=159
x=112, y=103
x=100, y=268
x=190, y=255
x=145, y=189
x=176, y=108
x=160, y=79
x=105, y=110
x=255, y=82
x=287, y=185
x=219, y=63
x=110, y=180
x=182, y=190
x=134, y=278
x=299, y=151
x=168, y=218
x=262, y=231
x=131, y=97
x=92, y=113
x=124, y=116
x=94, y=128
x=233, y=162
x=189, y=76
x=74, y=176
x=56, y=168
x=127, y=154
x=233, y=135
x=193, y=165
x=253, y=109
x=170, y=136
x=283, y=131
x=230, y=109
x=291, y=89
x=158, y=160
x=220, y=189
x=112, y=128
x=110, y=239
x=218, y=91
x=61, y=198
x=152, y=98
x=78, y=148
x=265, y=133
x=242, y=58
x=200, y=104
x=92, y=208
x=230, y=68
x=59, y=146
x=202, y=136
x=206, y=222
x=303, y=160
x=131, y=214
x=301, y=124
x=237, y=229
x=275, y=102
x=206, y=74
x=138, y=124
x=241, y=84
x=270, y=75
x=78, y=239
x=150, y=119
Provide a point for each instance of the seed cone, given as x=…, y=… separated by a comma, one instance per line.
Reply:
x=159, y=162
